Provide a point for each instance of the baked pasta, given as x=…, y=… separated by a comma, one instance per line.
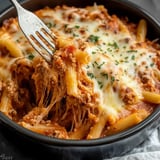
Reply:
x=104, y=76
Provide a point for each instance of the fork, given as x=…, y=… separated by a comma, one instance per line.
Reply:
x=38, y=34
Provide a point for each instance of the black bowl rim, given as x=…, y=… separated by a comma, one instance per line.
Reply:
x=105, y=140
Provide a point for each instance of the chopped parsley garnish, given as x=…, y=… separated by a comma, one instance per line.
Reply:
x=105, y=75
x=30, y=56
x=152, y=64
x=76, y=26
x=93, y=38
x=100, y=84
x=95, y=64
x=124, y=47
x=87, y=66
x=114, y=45
x=116, y=62
x=66, y=25
x=133, y=57
x=131, y=51
x=100, y=65
x=109, y=49
x=75, y=35
x=18, y=40
x=93, y=52
x=112, y=79
x=91, y=75
x=49, y=25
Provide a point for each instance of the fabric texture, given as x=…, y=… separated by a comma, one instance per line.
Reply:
x=148, y=150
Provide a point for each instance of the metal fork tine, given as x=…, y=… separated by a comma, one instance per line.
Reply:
x=47, y=39
x=42, y=44
x=39, y=50
x=47, y=30
x=38, y=34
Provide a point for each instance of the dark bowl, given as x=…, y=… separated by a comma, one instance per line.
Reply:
x=101, y=148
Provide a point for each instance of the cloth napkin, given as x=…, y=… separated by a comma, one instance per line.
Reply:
x=148, y=150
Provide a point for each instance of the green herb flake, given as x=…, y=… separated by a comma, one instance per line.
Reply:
x=75, y=35
x=131, y=51
x=112, y=79
x=99, y=66
x=116, y=62
x=91, y=75
x=93, y=38
x=30, y=56
x=124, y=47
x=49, y=25
x=77, y=27
x=87, y=67
x=114, y=45
x=66, y=25
x=93, y=52
x=95, y=62
x=105, y=75
x=100, y=84
x=152, y=64
x=18, y=40
x=133, y=57
x=109, y=49
x=93, y=65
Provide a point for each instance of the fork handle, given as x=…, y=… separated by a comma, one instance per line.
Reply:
x=16, y=4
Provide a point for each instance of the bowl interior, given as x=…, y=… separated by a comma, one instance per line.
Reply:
x=121, y=8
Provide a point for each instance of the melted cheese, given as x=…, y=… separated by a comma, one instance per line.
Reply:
x=112, y=55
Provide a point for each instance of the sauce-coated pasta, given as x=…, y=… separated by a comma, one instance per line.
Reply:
x=104, y=76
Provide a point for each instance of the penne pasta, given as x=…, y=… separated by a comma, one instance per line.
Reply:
x=151, y=97
x=62, y=42
x=81, y=132
x=43, y=129
x=5, y=103
x=97, y=129
x=82, y=57
x=11, y=47
x=124, y=123
x=4, y=74
x=141, y=31
x=123, y=27
x=71, y=81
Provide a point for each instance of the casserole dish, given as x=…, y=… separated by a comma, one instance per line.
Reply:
x=104, y=147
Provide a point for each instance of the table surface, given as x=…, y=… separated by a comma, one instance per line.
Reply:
x=9, y=149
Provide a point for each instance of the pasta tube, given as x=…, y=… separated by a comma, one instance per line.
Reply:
x=96, y=130
x=71, y=81
x=124, y=123
x=141, y=31
x=151, y=97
